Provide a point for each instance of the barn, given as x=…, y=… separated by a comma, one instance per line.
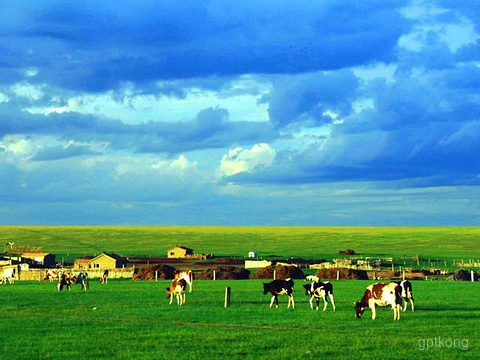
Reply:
x=108, y=261
x=179, y=252
x=83, y=263
x=42, y=259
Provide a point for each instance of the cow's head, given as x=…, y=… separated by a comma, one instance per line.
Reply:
x=307, y=288
x=266, y=288
x=359, y=309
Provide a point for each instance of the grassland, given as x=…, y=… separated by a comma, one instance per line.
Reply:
x=312, y=242
x=132, y=320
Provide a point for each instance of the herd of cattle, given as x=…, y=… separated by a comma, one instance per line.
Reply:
x=392, y=294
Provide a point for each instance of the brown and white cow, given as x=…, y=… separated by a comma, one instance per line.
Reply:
x=186, y=275
x=177, y=289
x=380, y=295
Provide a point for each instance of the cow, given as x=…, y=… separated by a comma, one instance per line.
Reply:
x=177, y=289
x=8, y=275
x=82, y=279
x=64, y=281
x=317, y=290
x=103, y=278
x=280, y=287
x=380, y=295
x=51, y=275
x=406, y=294
x=186, y=275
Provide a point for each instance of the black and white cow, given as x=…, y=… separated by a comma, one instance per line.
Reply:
x=82, y=279
x=64, y=281
x=280, y=287
x=380, y=295
x=320, y=290
x=103, y=278
x=8, y=275
x=406, y=293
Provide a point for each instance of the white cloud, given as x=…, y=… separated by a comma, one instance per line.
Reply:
x=246, y=160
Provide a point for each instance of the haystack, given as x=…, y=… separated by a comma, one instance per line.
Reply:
x=344, y=273
x=147, y=272
x=282, y=272
x=224, y=273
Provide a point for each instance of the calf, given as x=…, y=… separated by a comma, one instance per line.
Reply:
x=187, y=276
x=317, y=290
x=280, y=287
x=177, y=288
x=380, y=295
x=406, y=293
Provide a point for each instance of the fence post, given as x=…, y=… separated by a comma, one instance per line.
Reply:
x=227, y=297
x=472, y=277
x=214, y=275
x=403, y=275
x=274, y=274
x=156, y=275
x=393, y=268
x=338, y=275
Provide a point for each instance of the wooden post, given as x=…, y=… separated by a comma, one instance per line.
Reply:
x=227, y=297
x=156, y=275
x=472, y=277
x=393, y=268
x=338, y=275
x=445, y=262
x=274, y=274
x=403, y=275
x=214, y=275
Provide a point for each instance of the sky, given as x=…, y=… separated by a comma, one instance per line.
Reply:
x=240, y=112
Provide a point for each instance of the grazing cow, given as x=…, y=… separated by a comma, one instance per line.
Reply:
x=64, y=280
x=51, y=275
x=8, y=275
x=82, y=279
x=406, y=293
x=381, y=295
x=317, y=290
x=177, y=289
x=185, y=275
x=280, y=287
x=103, y=278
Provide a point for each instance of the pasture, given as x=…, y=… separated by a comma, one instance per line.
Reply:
x=132, y=320
x=310, y=242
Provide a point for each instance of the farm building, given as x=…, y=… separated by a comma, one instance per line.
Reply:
x=108, y=261
x=179, y=252
x=252, y=254
x=257, y=264
x=43, y=259
x=83, y=263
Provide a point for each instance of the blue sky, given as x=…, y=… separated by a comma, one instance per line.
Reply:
x=240, y=112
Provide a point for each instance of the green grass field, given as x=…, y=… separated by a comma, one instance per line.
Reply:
x=134, y=321
x=311, y=242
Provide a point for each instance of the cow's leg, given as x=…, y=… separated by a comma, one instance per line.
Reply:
x=276, y=301
x=332, y=300
x=374, y=311
x=271, y=302
x=293, y=301
x=171, y=299
x=325, y=302
x=413, y=304
x=311, y=302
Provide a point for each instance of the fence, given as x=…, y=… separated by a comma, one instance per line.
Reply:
x=39, y=274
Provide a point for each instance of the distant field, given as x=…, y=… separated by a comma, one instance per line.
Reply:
x=132, y=320
x=312, y=242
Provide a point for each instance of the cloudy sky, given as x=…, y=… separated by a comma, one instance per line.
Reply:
x=240, y=112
